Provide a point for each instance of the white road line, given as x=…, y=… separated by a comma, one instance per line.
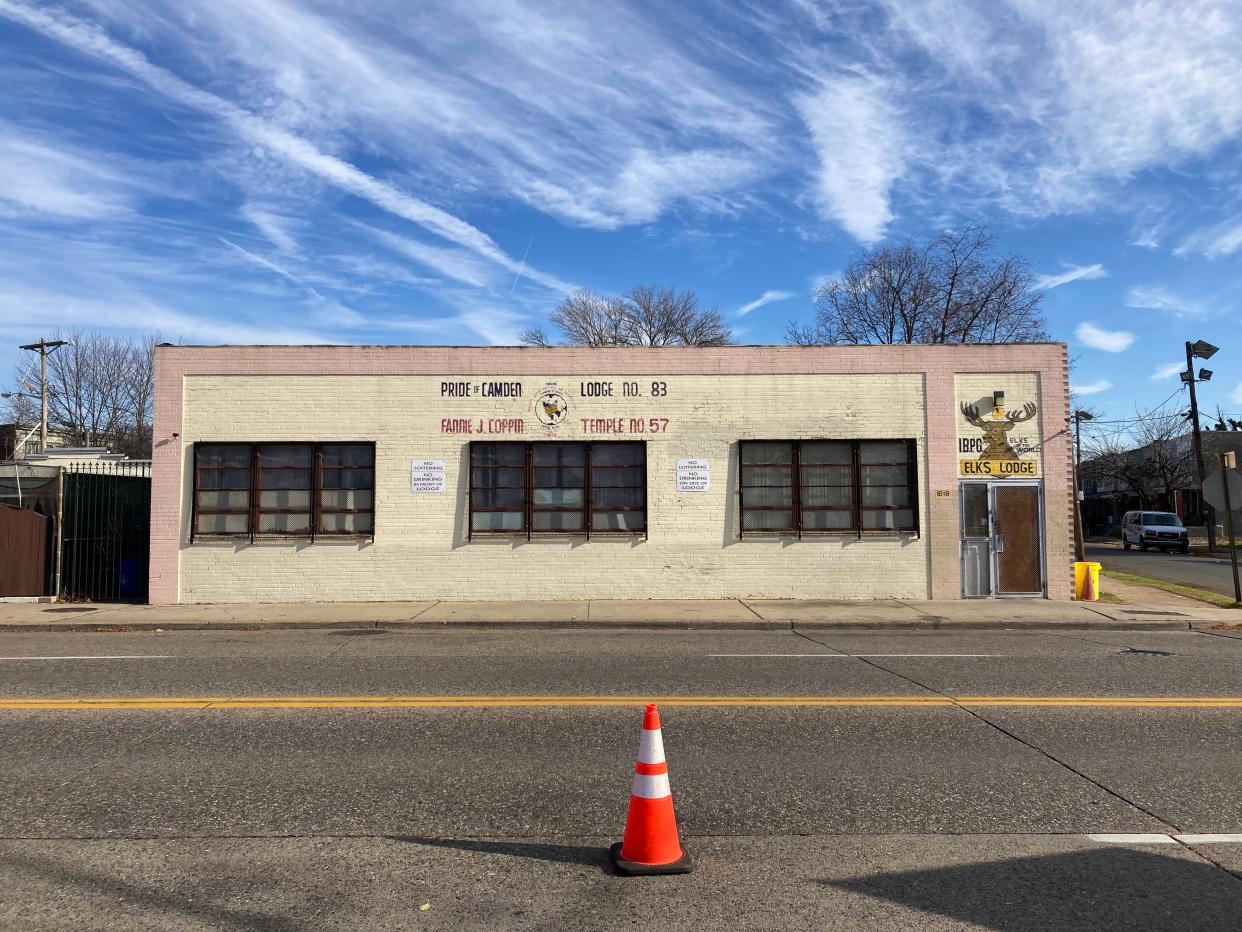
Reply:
x=1135, y=838
x=1224, y=839
x=100, y=657
x=851, y=656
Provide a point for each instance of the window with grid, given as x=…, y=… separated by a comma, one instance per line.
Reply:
x=284, y=489
x=558, y=488
x=812, y=487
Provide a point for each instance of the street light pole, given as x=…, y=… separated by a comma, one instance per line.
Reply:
x=1203, y=351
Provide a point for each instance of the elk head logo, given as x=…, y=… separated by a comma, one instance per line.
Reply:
x=994, y=431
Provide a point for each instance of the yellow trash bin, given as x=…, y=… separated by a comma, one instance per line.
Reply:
x=1087, y=581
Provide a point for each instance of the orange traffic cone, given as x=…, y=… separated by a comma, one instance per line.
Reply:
x=650, y=844
x=1088, y=587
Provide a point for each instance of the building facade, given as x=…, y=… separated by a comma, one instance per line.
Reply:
x=379, y=473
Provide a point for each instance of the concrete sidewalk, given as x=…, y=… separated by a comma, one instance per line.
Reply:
x=1157, y=611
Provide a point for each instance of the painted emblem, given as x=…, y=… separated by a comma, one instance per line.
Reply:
x=995, y=430
x=551, y=406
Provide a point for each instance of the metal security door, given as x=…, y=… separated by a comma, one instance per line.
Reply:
x=1017, y=539
x=976, y=540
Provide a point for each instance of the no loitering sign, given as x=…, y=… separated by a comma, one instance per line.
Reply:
x=427, y=477
x=694, y=475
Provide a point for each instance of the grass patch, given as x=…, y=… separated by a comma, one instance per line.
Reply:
x=1109, y=597
x=1190, y=592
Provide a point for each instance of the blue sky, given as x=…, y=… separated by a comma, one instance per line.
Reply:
x=263, y=171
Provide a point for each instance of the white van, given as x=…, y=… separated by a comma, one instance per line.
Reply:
x=1154, y=529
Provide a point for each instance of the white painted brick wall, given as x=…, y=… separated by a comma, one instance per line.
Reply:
x=421, y=549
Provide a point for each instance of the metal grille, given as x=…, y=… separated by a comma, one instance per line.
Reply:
x=106, y=531
x=975, y=510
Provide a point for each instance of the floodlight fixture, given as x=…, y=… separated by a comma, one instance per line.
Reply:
x=1203, y=349
x=1205, y=375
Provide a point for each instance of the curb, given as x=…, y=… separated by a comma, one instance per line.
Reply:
x=931, y=623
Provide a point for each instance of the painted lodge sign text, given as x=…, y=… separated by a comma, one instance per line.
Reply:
x=582, y=405
x=1000, y=450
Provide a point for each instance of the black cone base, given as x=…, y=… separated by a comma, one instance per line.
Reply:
x=682, y=865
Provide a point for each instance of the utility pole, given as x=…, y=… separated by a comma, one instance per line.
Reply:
x=1203, y=350
x=1079, y=417
x=1229, y=461
x=44, y=347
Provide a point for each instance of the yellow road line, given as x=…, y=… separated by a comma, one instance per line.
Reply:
x=193, y=703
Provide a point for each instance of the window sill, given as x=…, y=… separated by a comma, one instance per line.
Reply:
x=246, y=538
x=828, y=535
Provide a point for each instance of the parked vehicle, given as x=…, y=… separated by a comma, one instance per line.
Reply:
x=1154, y=529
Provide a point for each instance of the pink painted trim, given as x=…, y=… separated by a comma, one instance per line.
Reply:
x=938, y=363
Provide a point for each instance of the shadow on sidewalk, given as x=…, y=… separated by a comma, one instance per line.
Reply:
x=564, y=854
x=1111, y=889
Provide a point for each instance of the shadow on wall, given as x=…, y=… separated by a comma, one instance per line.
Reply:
x=1104, y=889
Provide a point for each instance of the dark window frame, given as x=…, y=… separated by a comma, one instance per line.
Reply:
x=856, y=508
x=528, y=509
x=254, y=510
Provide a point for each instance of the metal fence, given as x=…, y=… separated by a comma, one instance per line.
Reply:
x=105, y=530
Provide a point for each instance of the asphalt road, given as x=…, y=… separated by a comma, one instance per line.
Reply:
x=1215, y=575
x=863, y=816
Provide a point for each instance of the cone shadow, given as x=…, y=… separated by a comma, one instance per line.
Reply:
x=562, y=854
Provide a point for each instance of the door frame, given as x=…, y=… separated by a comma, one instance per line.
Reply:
x=992, y=485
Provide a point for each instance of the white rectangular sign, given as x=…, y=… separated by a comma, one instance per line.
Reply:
x=694, y=475
x=427, y=476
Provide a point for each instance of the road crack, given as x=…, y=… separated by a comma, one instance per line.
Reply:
x=973, y=713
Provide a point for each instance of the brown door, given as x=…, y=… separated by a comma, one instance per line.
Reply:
x=23, y=539
x=1015, y=518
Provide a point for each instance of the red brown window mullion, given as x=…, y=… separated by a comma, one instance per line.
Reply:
x=795, y=488
x=856, y=492
x=528, y=492
x=741, y=493
x=316, y=501
x=194, y=501
x=913, y=481
x=256, y=466
x=588, y=504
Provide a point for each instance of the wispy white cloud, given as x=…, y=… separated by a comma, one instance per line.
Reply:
x=328, y=310
x=1159, y=298
x=1110, y=341
x=37, y=177
x=1072, y=273
x=644, y=187
x=859, y=142
x=89, y=39
x=1166, y=370
x=457, y=264
x=135, y=314
x=277, y=227
x=766, y=298
x=1091, y=388
x=1236, y=395
x=544, y=104
x=1214, y=242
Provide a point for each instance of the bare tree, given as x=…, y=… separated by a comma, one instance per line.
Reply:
x=1224, y=422
x=1152, y=457
x=949, y=290
x=100, y=392
x=643, y=316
